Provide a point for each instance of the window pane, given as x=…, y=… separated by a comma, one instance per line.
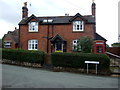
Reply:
x=32, y=41
x=29, y=41
x=33, y=27
x=36, y=26
x=29, y=46
x=77, y=27
x=33, y=46
x=74, y=41
x=33, y=23
x=36, y=41
x=36, y=46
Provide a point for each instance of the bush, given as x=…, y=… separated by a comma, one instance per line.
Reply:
x=77, y=60
x=86, y=44
x=23, y=55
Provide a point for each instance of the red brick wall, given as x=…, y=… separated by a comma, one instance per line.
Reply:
x=12, y=42
x=114, y=50
x=65, y=31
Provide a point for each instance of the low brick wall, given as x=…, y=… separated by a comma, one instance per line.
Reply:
x=47, y=59
x=26, y=64
x=114, y=50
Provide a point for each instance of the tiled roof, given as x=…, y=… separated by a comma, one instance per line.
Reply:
x=59, y=19
x=57, y=37
x=14, y=35
x=99, y=37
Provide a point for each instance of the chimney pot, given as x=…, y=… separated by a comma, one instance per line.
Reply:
x=66, y=14
x=93, y=7
x=24, y=11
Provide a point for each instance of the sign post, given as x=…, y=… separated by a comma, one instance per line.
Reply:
x=91, y=62
x=96, y=68
x=87, y=67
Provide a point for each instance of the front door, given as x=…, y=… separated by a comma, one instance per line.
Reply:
x=58, y=46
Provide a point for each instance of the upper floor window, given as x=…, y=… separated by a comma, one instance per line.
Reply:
x=33, y=26
x=78, y=26
x=32, y=44
x=7, y=44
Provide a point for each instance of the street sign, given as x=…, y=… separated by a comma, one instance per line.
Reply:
x=92, y=62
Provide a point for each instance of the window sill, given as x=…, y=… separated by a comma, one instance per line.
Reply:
x=32, y=49
x=78, y=31
x=33, y=31
x=7, y=47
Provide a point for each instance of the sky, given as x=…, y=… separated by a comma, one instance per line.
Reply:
x=106, y=13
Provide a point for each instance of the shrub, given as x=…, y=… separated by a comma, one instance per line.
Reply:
x=86, y=44
x=23, y=55
x=77, y=60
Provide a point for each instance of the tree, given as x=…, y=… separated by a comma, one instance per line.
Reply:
x=0, y=43
x=107, y=45
x=86, y=44
x=115, y=44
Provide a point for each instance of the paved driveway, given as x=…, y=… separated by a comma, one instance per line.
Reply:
x=22, y=77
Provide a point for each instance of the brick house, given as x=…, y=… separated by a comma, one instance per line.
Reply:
x=58, y=33
x=10, y=39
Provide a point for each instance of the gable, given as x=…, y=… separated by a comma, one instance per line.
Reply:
x=32, y=18
x=28, y=19
x=57, y=38
x=8, y=38
x=77, y=17
x=99, y=37
x=12, y=36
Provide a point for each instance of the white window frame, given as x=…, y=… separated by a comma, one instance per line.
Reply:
x=7, y=44
x=47, y=20
x=75, y=44
x=78, y=25
x=33, y=26
x=33, y=44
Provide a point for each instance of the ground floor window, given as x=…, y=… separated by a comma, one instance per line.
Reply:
x=32, y=44
x=76, y=45
x=7, y=44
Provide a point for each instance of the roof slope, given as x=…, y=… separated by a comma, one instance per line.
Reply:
x=14, y=35
x=99, y=37
x=59, y=19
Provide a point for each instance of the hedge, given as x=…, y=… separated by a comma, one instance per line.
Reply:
x=23, y=55
x=76, y=60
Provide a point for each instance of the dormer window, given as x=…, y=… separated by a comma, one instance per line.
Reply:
x=33, y=26
x=47, y=20
x=78, y=26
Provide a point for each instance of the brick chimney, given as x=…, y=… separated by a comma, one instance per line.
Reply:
x=24, y=11
x=93, y=9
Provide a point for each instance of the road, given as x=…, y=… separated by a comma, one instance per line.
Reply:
x=23, y=77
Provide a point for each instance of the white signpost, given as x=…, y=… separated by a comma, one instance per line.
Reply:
x=92, y=62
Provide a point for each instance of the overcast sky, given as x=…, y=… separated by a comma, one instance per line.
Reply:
x=106, y=13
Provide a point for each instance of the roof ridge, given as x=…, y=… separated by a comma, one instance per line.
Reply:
x=52, y=16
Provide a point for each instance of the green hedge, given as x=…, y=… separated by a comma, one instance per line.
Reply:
x=23, y=55
x=76, y=60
